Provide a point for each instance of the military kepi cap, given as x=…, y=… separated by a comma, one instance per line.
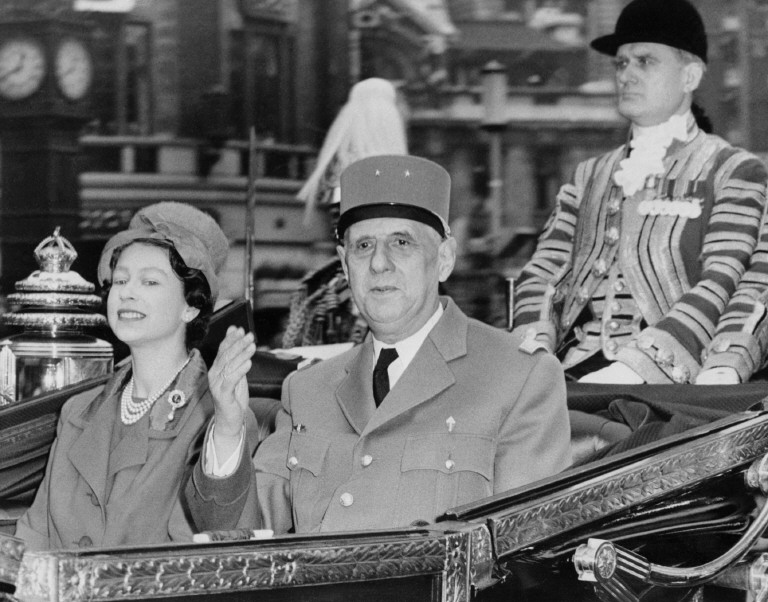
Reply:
x=401, y=186
x=674, y=23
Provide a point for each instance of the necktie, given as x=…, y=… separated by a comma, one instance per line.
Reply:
x=380, y=376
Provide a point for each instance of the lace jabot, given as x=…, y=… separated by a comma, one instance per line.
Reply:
x=648, y=147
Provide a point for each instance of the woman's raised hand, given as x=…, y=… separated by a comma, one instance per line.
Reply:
x=228, y=383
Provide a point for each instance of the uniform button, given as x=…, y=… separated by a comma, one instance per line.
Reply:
x=85, y=542
x=681, y=374
x=664, y=358
x=618, y=286
x=293, y=462
x=583, y=295
x=600, y=268
x=615, y=307
x=450, y=464
x=612, y=236
x=613, y=207
x=346, y=499
x=93, y=498
x=645, y=343
x=366, y=460
x=613, y=325
x=612, y=346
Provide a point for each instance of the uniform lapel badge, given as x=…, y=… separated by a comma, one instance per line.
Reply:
x=176, y=399
x=450, y=422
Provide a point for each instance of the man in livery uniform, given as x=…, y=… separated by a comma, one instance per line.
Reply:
x=648, y=242
x=362, y=443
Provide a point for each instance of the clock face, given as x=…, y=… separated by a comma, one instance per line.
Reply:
x=74, y=68
x=22, y=67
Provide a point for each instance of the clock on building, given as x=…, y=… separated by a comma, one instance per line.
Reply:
x=22, y=67
x=46, y=75
x=74, y=68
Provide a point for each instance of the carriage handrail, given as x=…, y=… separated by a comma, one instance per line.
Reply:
x=609, y=565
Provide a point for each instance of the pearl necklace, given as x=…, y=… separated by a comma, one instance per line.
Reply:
x=131, y=411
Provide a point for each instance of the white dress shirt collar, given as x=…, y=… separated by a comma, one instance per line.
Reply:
x=407, y=348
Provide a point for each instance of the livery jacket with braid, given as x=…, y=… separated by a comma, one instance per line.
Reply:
x=678, y=248
x=741, y=338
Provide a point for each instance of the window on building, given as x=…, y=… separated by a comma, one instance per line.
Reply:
x=122, y=93
x=138, y=96
x=260, y=81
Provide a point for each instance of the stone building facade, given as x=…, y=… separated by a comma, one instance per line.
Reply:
x=181, y=84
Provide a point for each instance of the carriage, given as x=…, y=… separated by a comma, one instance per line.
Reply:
x=665, y=502
x=676, y=515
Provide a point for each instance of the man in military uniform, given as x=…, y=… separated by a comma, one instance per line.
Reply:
x=647, y=243
x=424, y=415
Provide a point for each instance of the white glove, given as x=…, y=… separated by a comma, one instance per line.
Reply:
x=615, y=373
x=718, y=376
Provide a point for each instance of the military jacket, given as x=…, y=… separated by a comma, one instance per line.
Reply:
x=460, y=424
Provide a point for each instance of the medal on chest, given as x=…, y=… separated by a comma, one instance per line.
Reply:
x=659, y=199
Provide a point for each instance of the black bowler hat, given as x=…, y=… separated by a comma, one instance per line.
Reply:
x=674, y=23
x=395, y=186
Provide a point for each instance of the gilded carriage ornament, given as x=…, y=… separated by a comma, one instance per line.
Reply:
x=54, y=306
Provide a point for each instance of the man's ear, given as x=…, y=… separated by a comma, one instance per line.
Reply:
x=446, y=256
x=343, y=257
x=692, y=74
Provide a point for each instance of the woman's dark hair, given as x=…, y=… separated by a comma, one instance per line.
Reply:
x=197, y=292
